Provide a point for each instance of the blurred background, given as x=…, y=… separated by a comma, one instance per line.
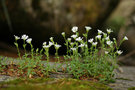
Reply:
x=41, y=19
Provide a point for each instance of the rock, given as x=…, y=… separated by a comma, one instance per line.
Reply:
x=124, y=80
x=44, y=18
x=5, y=78
x=122, y=20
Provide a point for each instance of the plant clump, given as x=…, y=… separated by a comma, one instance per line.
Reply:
x=90, y=62
x=86, y=58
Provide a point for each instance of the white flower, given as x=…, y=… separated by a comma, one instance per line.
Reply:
x=88, y=28
x=29, y=40
x=69, y=39
x=44, y=43
x=109, y=42
x=105, y=35
x=99, y=31
x=74, y=29
x=109, y=31
x=119, y=52
x=106, y=52
x=73, y=49
x=51, y=38
x=86, y=45
x=46, y=46
x=24, y=37
x=107, y=38
x=114, y=39
x=63, y=33
x=72, y=43
x=74, y=36
x=94, y=43
x=16, y=37
x=81, y=45
x=98, y=36
x=79, y=39
x=125, y=38
x=50, y=43
x=90, y=40
x=57, y=45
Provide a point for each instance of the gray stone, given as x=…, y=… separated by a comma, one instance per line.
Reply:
x=5, y=78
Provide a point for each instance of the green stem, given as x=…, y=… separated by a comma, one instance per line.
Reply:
x=24, y=46
x=32, y=51
x=18, y=53
x=56, y=54
x=47, y=54
x=16, y=44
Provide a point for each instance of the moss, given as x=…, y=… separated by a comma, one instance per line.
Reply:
x=131, y=88
x=53, y=84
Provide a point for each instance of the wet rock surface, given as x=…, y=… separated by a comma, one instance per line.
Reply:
x=122, y=21
x=124, y=80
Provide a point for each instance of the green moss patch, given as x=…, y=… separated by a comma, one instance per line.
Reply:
x=52, y=84
x=132, y=88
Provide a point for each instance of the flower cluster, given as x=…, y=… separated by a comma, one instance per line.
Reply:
x=104, y=40
x=47, y=46
x=82, y=51
x=24, y=37
x=88, y=50
x=102, y=36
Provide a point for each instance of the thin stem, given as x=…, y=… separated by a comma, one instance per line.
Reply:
x=16, y=44
x=32, y=51
x=24, y=46
x=18, y=53
x=47, y=54
x=56, y=54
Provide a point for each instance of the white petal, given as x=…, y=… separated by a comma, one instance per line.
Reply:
x=88, y=28
x=29, y=40
x=125, y=38
x=75, y=29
